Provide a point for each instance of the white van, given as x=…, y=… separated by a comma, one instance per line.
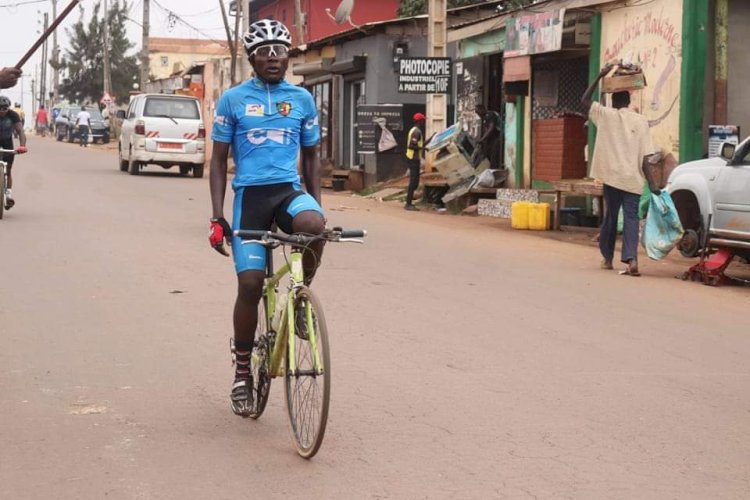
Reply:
x=164, y=130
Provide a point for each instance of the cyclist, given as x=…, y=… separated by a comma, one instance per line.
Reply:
x=10, y=123
x=267, y=122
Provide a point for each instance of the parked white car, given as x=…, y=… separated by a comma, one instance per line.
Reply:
x=715, y=190
x=165, y=130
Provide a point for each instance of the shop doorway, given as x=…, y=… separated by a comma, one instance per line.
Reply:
x=354, y=95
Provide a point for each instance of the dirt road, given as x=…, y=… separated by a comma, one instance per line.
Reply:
x=469, y=361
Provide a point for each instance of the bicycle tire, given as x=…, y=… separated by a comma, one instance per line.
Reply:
x=2, y=191
x=306, y=418
x=260, y=364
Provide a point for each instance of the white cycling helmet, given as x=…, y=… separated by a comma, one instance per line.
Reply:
x=265, y=31
x=4, y=102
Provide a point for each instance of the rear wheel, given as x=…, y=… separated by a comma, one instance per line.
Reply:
x=308, y=385
x=69, y=136
x=123, y=162
x=58, y=135
x=134, y=167
x=260, y=364
x=197, y=171
x=184, y=169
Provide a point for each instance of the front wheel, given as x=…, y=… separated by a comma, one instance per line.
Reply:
x=308, y=374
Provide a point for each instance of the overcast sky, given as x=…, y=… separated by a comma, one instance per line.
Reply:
x=21, y=19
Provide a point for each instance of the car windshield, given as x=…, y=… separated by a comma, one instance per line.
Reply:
x=172, y=108
x=95, y=113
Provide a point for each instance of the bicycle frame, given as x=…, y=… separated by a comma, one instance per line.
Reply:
x=285, y=337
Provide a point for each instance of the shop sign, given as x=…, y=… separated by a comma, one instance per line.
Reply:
x=368, y=129
x=424, y=75
x=534, y=33
x=718, y=134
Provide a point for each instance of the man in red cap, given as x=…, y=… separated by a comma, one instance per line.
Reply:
x=414, y=155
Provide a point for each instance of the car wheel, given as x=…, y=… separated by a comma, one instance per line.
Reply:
x=70, y=136
x=105, y=140
x=134, y=167
x=691, y=243
x=123, y=162
x=184, y=169
x=58, y=135
x=197, y=171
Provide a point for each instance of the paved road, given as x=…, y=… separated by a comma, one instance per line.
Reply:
x=470, y=361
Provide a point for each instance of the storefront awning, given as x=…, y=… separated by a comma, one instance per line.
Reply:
x=354, y=65
x=311, y=68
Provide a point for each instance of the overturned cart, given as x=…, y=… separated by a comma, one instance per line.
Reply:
x=460, y=162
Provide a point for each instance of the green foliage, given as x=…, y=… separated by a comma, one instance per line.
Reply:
x=417, y=7
x=83, y=63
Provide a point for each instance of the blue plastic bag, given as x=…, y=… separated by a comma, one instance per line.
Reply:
x=663, y=228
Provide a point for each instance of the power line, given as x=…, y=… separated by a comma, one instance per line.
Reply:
x=173, y=17
x=18, y=4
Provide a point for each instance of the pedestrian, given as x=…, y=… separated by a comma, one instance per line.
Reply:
x=414, y=156
x=41, y=121
x=21, y=113
x=83, y=122
x=622, y=151
x=9, y=77
x=268, y=123
x=491, y=139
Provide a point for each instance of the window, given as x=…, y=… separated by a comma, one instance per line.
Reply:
x=172, y=107
x=164, y=61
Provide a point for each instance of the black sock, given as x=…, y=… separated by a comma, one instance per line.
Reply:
x=242, y=352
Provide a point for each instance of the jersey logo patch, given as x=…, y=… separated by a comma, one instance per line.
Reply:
x=254, y=110
x=284, y=108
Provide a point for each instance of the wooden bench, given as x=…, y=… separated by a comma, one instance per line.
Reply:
x=574, y=187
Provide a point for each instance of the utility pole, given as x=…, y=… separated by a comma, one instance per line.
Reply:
x=107, y=67
x=232, y=46
x=437, y=104
x=299, y=21
x=144, y=51
x=55, y=60
x=238, y=15
x=43, y=82
x=244, y=63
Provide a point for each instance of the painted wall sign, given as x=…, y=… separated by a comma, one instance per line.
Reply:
x=534, y=33
x=369, y=132
x=424, y=75
x=651, y=35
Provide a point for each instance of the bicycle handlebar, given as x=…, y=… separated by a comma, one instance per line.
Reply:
x=8, y=152
x=335, y=234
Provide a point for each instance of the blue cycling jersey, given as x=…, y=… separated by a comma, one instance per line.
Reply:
x=266, y=124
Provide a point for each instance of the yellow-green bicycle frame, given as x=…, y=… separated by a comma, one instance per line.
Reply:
x=286, y=333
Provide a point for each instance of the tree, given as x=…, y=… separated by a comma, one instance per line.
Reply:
x=83, y=62
x=417, y=7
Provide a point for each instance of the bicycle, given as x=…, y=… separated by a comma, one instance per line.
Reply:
x=291, y=338
x=4, y=178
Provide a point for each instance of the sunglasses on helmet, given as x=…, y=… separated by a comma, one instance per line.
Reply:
x=275, y=50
